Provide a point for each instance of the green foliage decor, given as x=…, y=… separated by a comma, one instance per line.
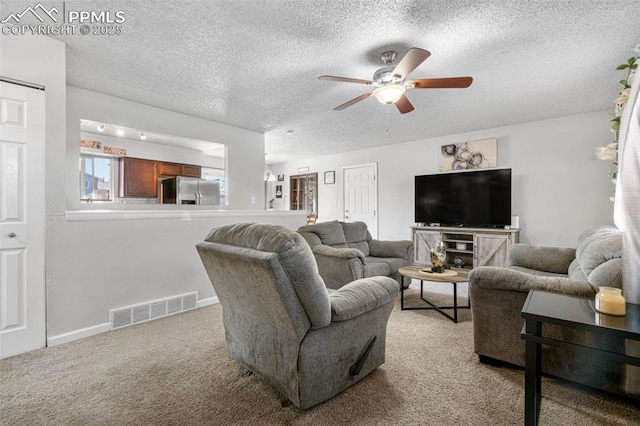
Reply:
x=609, y=152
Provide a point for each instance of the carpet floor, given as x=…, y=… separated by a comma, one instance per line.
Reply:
x=175, y=371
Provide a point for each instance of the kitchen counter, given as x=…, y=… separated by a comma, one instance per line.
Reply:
x=88, y=215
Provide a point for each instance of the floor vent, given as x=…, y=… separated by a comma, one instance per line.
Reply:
x=144, y=312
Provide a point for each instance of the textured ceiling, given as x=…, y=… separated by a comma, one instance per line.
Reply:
x=255, y=64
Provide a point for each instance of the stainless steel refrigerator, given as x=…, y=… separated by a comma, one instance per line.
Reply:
x=188, y=190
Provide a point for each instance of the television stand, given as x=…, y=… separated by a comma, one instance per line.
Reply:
x=466, y=248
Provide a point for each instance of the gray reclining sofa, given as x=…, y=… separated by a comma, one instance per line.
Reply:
x=346, y=252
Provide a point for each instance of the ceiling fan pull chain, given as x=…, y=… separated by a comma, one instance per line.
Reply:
x=388, y=120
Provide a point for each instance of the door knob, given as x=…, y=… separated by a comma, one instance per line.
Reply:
x=12, y=235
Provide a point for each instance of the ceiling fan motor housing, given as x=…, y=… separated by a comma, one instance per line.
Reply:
x=388, y=57
x=384, y=75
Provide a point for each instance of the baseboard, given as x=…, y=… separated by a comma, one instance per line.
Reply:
x=101, y=328
x=208, y=301
x=78, y=334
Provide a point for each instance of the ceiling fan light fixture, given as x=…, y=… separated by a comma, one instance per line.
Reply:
x=389, y=94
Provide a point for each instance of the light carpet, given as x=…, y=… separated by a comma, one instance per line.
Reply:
x=175, y=371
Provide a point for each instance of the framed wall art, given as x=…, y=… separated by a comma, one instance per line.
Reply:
x=330, y=177
x=468, y=155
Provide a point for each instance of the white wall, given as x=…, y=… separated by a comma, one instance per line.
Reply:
x=559, y=190
x=106, y=260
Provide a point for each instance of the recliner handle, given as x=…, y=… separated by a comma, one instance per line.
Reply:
x=357, y=366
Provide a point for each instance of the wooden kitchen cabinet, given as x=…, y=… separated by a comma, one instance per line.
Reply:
x=169, y=169
x=138, y=178
x=177, y=169
x=190, y=171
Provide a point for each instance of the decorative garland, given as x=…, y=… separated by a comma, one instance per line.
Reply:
x=609, y=152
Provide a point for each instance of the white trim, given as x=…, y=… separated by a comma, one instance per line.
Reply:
x=206, y=302
x=21, y=83
x=102, y=328
x=78, y=334
x=87, y=215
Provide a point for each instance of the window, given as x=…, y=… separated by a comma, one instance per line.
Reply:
x=96, y=183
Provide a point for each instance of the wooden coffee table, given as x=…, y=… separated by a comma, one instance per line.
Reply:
x=461, y=276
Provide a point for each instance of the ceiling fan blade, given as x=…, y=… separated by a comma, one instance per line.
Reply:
x=344, y=79
x=353, y=101
x=440, y=83
x=414, y=57
x=403, y=105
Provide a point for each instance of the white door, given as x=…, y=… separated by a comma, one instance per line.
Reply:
x=361, y=196
x=22, y=218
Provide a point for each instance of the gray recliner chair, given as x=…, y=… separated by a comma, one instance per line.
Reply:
x=281, y=322
x=345, y=251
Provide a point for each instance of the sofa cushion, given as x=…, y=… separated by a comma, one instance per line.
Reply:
x=607, y=274
x=357, y=236
x=402, y=249
x=598, y=245
x=555, y=260
x=394, y=263
x=355, y=232
x=330, y=233
x=311, y=239
x=373, y=268
x=575, y=271
x=363, y=246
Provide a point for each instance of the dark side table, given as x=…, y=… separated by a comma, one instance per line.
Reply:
x=569, y=311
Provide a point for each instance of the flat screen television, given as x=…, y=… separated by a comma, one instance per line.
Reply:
x=480, y=198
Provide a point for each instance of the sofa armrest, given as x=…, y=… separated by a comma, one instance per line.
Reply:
x=339, y=266
x=402, y=249
x=361, y=296
x=548, y=259
x=340, y=253
x=495, y=278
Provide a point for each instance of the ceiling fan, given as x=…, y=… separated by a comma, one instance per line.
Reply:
x=391, y=82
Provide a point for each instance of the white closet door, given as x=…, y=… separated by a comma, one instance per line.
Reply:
x=22, y=219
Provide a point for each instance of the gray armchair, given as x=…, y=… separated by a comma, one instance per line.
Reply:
x=346, y=252
x=498, y=294
x=281, y=322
